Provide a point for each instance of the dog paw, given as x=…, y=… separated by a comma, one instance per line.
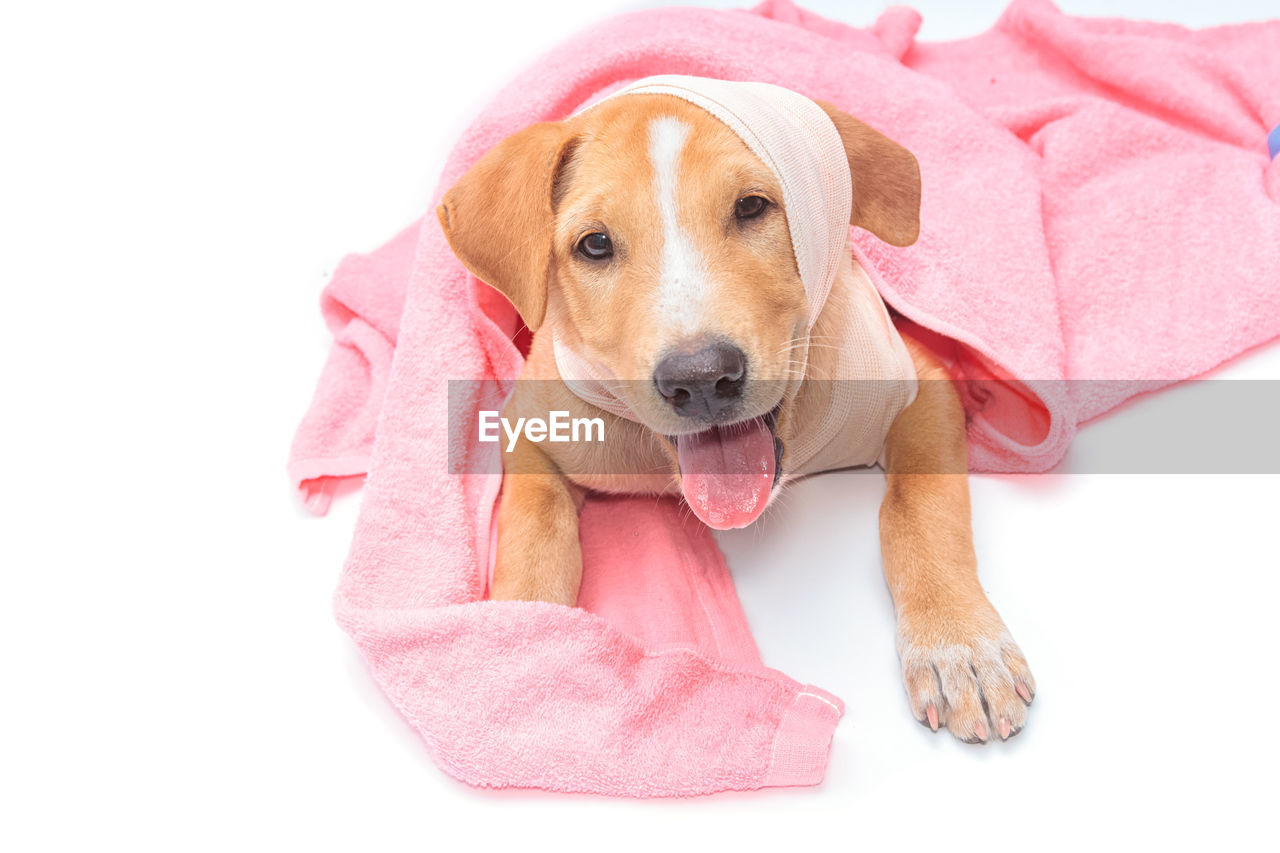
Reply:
x=965, y=672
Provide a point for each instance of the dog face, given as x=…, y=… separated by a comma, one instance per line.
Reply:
x=674, y=266
x=648, y=237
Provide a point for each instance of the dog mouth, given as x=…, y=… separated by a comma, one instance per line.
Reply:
x=728, y=472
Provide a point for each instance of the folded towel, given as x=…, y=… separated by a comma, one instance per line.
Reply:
x=1099, y=203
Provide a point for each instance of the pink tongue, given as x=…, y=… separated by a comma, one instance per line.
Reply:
x=727, y=473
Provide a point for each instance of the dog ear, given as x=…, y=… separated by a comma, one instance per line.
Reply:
x=886, y=181
x=498, y=217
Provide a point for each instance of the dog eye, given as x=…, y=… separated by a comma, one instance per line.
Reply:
x=595, y=246
x=749, y=207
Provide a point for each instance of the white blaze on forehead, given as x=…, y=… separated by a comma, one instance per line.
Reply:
x=682, y=285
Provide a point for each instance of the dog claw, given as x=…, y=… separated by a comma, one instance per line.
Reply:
x=978, y=690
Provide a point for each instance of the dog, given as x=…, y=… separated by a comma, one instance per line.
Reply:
x=648, y=233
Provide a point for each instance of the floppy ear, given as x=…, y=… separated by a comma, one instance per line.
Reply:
x=886, y=181
x=498, y=217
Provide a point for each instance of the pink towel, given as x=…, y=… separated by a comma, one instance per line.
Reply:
x=1098, y=204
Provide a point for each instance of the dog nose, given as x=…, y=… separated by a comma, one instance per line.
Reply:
x=702, y=381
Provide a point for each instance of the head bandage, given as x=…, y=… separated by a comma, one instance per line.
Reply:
x=797, y=140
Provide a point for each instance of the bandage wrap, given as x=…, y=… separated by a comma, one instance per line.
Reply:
x=795, y=138
x=873, y=376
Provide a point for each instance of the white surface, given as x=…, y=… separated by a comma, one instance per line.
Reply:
x=178, y=183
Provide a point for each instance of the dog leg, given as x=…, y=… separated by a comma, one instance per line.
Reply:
x=961, y=667
x=539, y=558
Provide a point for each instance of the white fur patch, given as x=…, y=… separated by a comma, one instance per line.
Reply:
x=682, y=287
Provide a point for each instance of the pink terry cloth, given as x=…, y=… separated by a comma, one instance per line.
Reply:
x=1099, y=204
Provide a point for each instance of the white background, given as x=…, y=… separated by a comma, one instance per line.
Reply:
x=178, y=183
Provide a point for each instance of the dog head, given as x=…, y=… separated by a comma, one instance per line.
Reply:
x=646, y=235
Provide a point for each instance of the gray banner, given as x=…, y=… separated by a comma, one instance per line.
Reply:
x=1191, y=427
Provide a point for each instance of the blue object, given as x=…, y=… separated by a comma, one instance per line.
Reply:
x=1273, y=141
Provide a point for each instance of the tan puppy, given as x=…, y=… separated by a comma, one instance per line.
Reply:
x=649, y=234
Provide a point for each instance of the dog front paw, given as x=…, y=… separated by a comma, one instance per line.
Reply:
x=963, y=670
